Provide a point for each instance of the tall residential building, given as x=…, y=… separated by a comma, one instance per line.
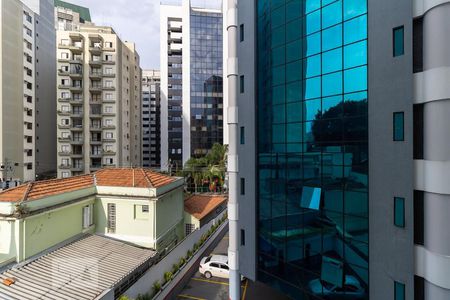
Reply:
x=151, y=119
x=343, y=160
x=99, y=97
x=191, y=82
x=27, y=87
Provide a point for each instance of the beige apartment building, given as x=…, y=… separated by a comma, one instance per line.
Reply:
x=98, y=99
x=27, y=88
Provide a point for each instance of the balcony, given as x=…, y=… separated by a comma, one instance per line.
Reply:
x=63, y=126
x=76, y=142
x=109, y=62
x=95, y=101
x=95, y=167
x=76, y=88
x=109, y=165
x=96, y=142
x=63, y=112
x=76, y=114
x=76, y=74
x=63, y=60
x=95, y=88
x=104, y=126
x=64, y=86
x=95, y=62
x=76, y=36
x=95, y=128
x=64, y=139
x=109, y=100
x=108, y=140
x=76, y=101
x=77, y=168
x=96, y=49
x=64, y=99
x=96, y=75
x=109, y=88
x=76, y=60
x=76, y=154
x=96, y=155
x=109, y=75
x=64, y=153
x=62, y=72
x=76, y=128
x=65, y=167
x=109, y=114
x=109, y=153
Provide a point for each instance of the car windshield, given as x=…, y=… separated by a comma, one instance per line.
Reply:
x=208, y=259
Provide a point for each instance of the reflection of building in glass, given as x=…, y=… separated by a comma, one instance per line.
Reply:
x=191, y=82
x=151, y=119
x=344, y=121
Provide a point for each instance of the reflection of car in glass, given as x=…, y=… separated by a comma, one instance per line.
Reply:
x=352, y=289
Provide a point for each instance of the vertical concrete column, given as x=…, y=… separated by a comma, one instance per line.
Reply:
x=232, y=109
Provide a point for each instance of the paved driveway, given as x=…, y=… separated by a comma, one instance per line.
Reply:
x=200, y=288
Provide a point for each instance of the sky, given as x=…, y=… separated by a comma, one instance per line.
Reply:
x=135, y=21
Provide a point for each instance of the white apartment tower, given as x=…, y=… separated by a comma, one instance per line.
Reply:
x=151, y=119
x=192, y=116
x=27, y=88
x=99, y=96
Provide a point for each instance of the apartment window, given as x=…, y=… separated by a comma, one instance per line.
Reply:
x=242, y=186
x=109, y=135
x=108, y=83
x=27, y=16
x=88, y=216
x=108, y=96
x=28, y=31
x=29, y=166
x=399, y=291
x=108, y=122
x=108, y=71
x=419, y=218
x=242, y=237
x=398, y=41
x=111, y=218
x=418, y=45
x=65, y=55
x=109, y=161
x=108, y=44
x=399, y=211
x=65, y=162
x=65, y=148
x=242, y=135
x=241, y=32
x=65, y=122
x=241, y=84
x=399, y=130
x=108, y=57
x=28, y=45
x=108, y=109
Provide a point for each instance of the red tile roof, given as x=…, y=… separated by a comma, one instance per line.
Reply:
x=200, y=205
x=107, y=177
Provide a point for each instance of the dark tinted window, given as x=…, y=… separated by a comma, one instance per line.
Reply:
x=399, y=130
x=399, y=212
x=418, y=45
x=399, y=47
x=418, y=218
x=214, y=265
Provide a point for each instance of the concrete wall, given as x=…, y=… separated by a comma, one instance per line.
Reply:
x=128, y=228
x=169, y=218
x=247, y=151
x=391, y=256
x=50, y=228
x=8, y=248
x=156, y=272
x=45, y=91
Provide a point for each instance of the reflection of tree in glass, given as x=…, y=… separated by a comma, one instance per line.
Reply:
x=330, y=128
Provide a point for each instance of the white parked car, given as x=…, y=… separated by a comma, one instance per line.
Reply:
x=352, y=289
x=215, y=265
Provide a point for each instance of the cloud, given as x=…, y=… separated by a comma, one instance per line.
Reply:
x=135, y=21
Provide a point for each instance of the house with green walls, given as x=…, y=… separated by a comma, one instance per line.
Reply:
x=133, y=205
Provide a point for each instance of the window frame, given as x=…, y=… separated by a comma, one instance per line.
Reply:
x=398, y=285
x=394, y=137
x=399, y=203
x=241, y=84
x=394, y=44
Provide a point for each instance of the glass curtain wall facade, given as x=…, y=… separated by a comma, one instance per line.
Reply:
x=312, y=148
x=206, y=82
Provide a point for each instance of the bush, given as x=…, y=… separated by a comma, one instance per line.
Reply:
x=175, y=268
x=181, y=262
x=188, y=254
x=156, y=287
x=196, y=246
x=144, y=297
x=168, y=276
x=123, y=297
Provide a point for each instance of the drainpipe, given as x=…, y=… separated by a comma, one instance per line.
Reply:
x=233, y=217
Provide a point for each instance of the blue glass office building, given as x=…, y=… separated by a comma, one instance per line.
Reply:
x=344, y=190
x=206, y=81
x=312, y=149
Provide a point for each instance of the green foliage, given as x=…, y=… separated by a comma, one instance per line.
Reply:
x=145, y=296
x=156, y=288
x=168, y=276
x=207, y=171
x=181, y=262
x=123, y=297
x=188, y=254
